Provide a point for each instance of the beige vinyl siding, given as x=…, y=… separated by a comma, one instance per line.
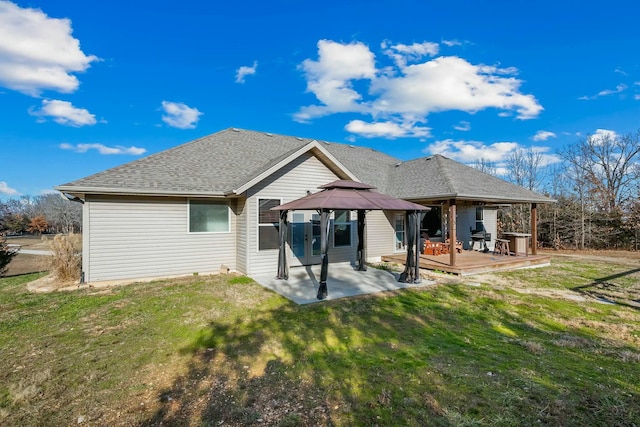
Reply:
x=148, y=237
x=491, y=224
x=241, y=234
x=292, y=182
x=467, y=218
x=379, y=234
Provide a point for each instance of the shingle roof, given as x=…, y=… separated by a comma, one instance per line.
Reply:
x=222, y=162
x=438, y=177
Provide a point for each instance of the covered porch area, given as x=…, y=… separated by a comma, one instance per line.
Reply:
x=473, y=262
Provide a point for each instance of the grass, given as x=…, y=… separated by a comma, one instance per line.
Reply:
x=213, y=350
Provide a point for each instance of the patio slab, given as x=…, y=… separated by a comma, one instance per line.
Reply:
x=343, y=281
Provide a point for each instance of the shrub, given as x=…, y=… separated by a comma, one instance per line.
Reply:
x=6, y=254
x=66, y=260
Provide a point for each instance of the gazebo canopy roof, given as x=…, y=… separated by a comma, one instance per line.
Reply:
x=351, y=195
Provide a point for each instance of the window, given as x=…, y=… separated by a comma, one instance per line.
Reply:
x=207, y=216
x=342, y=228
x=479, y=218
x=432, y=222
x=401, y=242
x=268, y=224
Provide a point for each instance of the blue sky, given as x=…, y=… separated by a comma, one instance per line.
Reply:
x=85, y=86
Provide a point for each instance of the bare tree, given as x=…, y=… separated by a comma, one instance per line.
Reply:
x=524, y=167
x=604, y=173
x=64, y=215
x=610, y=166
x=485, y=165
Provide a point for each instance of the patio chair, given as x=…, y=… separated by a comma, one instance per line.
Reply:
x=431, y=248
x=458, y=245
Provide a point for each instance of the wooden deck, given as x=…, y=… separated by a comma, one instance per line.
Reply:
x=473, y=262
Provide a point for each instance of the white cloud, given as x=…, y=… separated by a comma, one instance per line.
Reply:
x=387, y=129
x=451, y=43
x=179, y=115
x=463, y=126
x=402, y=53
x=103, y=149
x=345, y=79
x=543, y=135
x=636, y=97
x=604, y=133
x=6, y=190
x=620, y=71
x=470, y=151
x=619, y=88
x=38, y=52
x=64, y=113
x=452, y=83
x=244, y=71
x=330, y=78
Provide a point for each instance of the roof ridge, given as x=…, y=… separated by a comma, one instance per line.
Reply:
x=445, y=173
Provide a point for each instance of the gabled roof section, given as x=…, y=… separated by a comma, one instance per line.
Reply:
x=216, y=165
x=276, y=164
x=438, y=177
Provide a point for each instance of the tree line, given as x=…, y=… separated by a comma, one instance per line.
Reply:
x=47, y=213
x=596, y=186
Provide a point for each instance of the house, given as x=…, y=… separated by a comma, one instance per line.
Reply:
x=207, y=204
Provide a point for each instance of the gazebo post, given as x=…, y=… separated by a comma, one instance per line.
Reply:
x=283, y=269
x=453, y=236
x=534, y=229
x=324, y=256
x=361, y=228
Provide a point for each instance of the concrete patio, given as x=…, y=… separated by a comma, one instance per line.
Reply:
x=343, y=281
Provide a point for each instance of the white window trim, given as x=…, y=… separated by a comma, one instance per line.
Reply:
x=220, y=201
x=258, y=198
x=404, y=222
x=333, y=233
x=481, y=220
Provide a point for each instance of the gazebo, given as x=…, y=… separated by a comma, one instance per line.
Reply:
x=351, y=195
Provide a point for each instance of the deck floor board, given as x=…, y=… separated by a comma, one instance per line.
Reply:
x=474, y=262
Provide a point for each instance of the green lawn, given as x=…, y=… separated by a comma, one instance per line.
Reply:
x=220, y=350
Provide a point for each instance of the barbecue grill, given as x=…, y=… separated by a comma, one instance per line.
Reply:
x=480, y=236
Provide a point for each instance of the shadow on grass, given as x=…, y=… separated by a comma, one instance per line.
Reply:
x=605, y=290
x=415, y=357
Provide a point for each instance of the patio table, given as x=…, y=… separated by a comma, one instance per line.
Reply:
x=518, y=242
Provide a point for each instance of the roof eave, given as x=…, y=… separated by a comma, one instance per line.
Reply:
x=486, y=199
x=137, y=192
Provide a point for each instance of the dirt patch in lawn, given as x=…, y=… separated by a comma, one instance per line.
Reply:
x=25, y=264
x=619, y=257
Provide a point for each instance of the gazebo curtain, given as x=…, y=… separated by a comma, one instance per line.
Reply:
x=361, y=256
x=411, y=273
x=283, y=269
x=324, y=255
